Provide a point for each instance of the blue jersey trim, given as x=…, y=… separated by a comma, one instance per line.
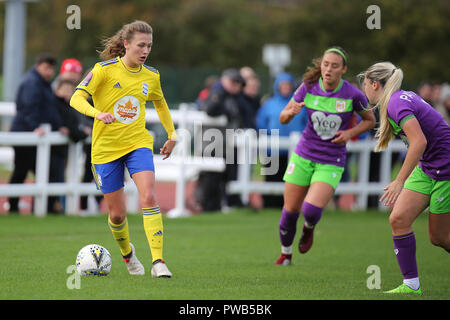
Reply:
x=151, y=69
x=84, y=90
x=108, y=62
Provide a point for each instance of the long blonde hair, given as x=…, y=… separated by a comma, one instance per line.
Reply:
x=113, y=46
x=390, y=77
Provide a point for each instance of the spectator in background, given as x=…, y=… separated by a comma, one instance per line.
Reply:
x=443, y=105
x=268, y=118
x=70, y=73
x=247, y=72
x=446, y=108
x=435, y=94
x=71, y=127
x=252, y=96
x=35, y=106
x=225, y=99
x=425, y=91
x=71, y=69
x=87, y=124
x=204, y=94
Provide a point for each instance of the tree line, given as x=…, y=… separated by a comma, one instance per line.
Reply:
x=216, y=34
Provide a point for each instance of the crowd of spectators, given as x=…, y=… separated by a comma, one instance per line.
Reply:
x=235, y=94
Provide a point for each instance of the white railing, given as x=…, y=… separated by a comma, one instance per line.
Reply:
x=362, y=188
x=180, y=167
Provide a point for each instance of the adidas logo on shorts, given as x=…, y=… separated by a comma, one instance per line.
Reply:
x=159, y=233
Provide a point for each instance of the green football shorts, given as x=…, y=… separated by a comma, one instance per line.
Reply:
x=303, y=172
x=439, y=191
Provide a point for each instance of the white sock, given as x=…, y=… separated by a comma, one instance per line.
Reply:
x=412, y=283
x=286, y=250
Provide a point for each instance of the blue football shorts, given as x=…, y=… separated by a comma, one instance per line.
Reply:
x=109, y=177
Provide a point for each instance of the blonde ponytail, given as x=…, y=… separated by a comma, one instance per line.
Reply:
x=390, y=79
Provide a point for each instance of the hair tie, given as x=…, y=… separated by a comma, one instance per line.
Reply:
x=336, y=50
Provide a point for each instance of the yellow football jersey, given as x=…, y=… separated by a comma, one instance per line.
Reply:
x=123, y=92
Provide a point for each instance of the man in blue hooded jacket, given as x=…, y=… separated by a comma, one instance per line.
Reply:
x=268, y=118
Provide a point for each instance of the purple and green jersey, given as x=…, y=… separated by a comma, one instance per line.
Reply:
x=328, y=112
x=404, y=105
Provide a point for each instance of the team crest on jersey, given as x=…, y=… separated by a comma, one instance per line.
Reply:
x=145, y=88
x=127, y=109
x=340, y=105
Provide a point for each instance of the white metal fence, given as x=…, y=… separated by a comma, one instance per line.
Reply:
x=362, y=188
x=180, y=167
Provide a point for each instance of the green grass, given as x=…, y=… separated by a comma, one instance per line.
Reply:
x=216, y=256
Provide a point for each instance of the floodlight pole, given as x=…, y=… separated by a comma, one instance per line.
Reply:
x=14, y=46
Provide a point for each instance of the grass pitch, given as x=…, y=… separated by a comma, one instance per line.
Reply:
x=218, y=257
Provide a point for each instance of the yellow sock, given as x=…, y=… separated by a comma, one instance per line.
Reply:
x=121, y=235
x=153, y=226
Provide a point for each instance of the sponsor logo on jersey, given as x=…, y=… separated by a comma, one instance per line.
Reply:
x=127, y=109
x=117, y=85
x=325, y=126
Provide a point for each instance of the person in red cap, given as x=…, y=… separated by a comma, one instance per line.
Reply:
x=71, y=69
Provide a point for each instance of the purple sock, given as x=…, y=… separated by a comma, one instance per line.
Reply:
x=311, y=213
x=405, y=250
x=288, y=227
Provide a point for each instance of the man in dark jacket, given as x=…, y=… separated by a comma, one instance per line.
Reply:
x=226, y=98
x=35, y=105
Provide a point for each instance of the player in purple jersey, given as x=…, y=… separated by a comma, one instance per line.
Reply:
x=316, y=166
x=424, y=178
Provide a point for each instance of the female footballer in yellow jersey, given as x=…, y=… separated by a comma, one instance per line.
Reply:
x=120, y=86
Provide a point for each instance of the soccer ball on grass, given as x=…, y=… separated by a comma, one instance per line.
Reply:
x=93, y=259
